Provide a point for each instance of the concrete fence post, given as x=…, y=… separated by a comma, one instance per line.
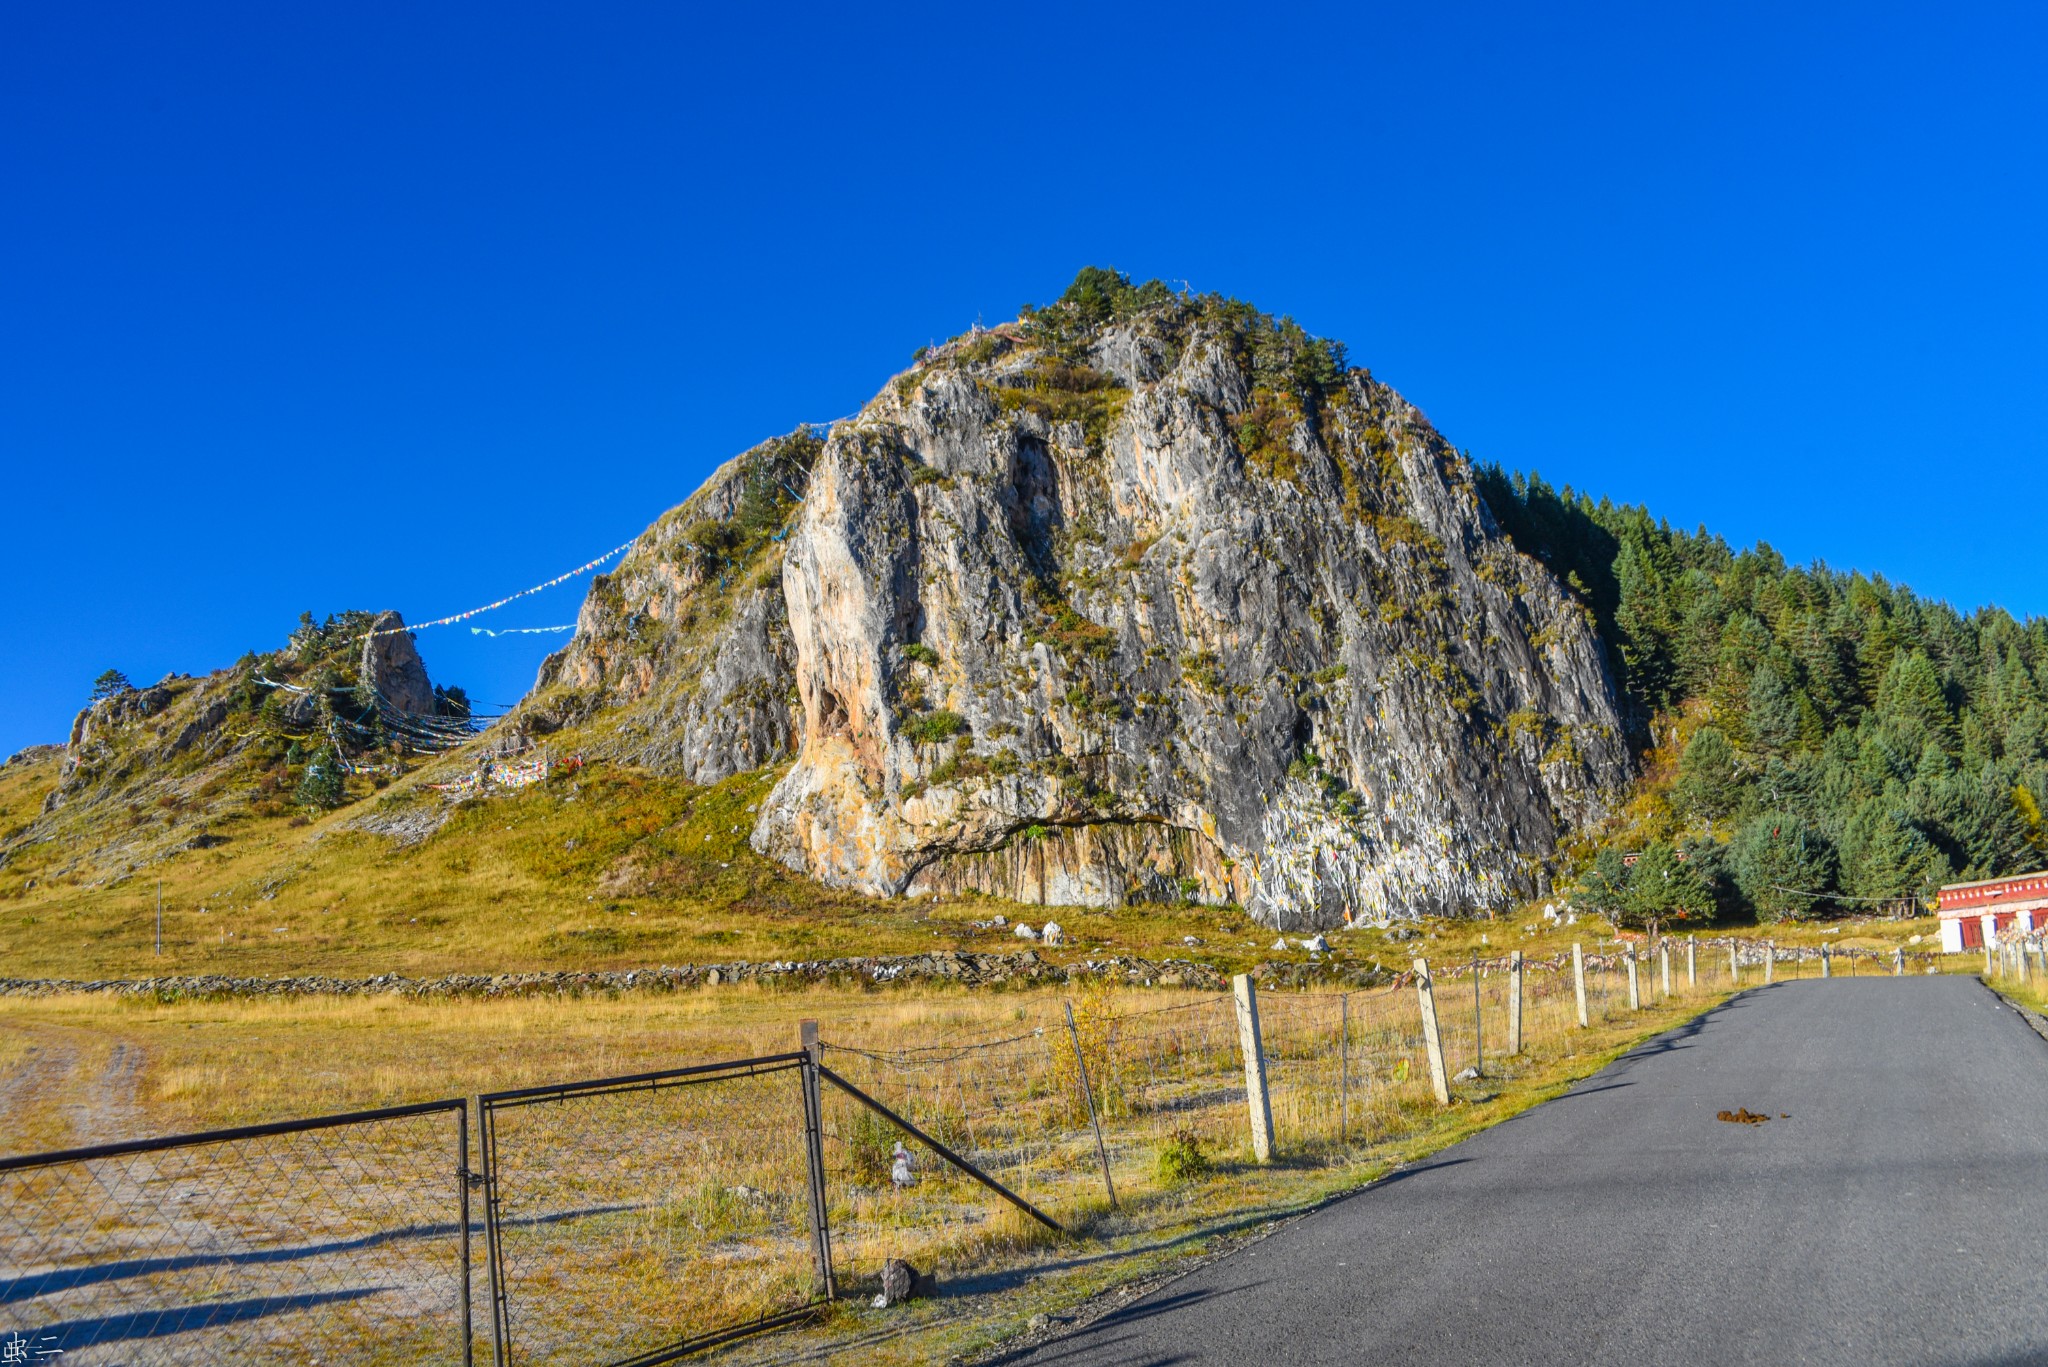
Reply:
x=1664, y=964
x=1253, y=1048
x=1770, y=959
x=1735, y=963
x=1635, y=993
x=1432, y=1041
x=1514, y=1002
x=1827, y=963
x=1692, y=963
x=1898, y=963
x=2020, y=962
x=1579, y=980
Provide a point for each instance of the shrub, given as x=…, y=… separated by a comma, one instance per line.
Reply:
x=933, y=727
x=870, y=1143
x=1180, y=1158
x=922, y=654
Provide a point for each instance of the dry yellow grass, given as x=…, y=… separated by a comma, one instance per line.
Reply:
x=612, y=869
x=689, y=1241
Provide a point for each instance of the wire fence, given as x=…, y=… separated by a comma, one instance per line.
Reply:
x=633, y=1220
x=340, y=1239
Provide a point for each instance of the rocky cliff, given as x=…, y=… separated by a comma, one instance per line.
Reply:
x=1137, y=598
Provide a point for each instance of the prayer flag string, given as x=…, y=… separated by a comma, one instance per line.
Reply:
x=488, y=607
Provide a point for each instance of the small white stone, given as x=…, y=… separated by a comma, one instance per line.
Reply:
x=1025, y=932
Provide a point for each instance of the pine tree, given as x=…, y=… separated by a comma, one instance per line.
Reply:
x=323, y=785
x=1884, y=855
x=1785, y=869
x=1707, y=783
x=1773, y=715
x=1663, y=888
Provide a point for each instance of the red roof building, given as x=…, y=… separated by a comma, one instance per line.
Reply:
x=1976, y=914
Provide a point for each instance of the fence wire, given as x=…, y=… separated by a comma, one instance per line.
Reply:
x=324, y=1242
x=633, y=1218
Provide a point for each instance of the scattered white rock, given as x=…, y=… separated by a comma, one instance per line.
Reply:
x=1316, y=944
x=1053, y=934
x=1467, y=1075
x=899, y=1167
x=1281, y=943
x=1000, y=921
x=1190, y=941
x=1914, y=941
x=1025, y=932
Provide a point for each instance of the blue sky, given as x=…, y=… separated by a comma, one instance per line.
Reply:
x=364, y=306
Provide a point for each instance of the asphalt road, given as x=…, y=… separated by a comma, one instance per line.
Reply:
x=1900, y=1215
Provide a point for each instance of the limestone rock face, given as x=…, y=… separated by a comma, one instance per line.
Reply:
x=1168, y=608
x=391, y=666
x=684, y=648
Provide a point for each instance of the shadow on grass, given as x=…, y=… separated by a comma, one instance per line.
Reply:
x=61, y=1279
x=69, y=1335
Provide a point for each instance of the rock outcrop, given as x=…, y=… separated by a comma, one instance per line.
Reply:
x=391, y=667
x=1090, y=608
x=685, y=646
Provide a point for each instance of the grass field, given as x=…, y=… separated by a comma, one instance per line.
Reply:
x=145, y=1067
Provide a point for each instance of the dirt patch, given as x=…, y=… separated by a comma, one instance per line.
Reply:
x=1745, y=1116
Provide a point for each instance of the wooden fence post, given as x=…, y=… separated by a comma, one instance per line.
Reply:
x=814, y=1154
x=1253, y=1048
x=1692, y=963
x=1433, y=1044
x=1514, y=1002
x=1635, y=994
x=1579, y=980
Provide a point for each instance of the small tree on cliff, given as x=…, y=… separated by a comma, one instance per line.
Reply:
x=323, y=786
x=113, y=681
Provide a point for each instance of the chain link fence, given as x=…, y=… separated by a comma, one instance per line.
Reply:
x=638, y=1219
x=343, y=1239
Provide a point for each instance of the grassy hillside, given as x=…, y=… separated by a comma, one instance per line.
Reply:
x=608, y=868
